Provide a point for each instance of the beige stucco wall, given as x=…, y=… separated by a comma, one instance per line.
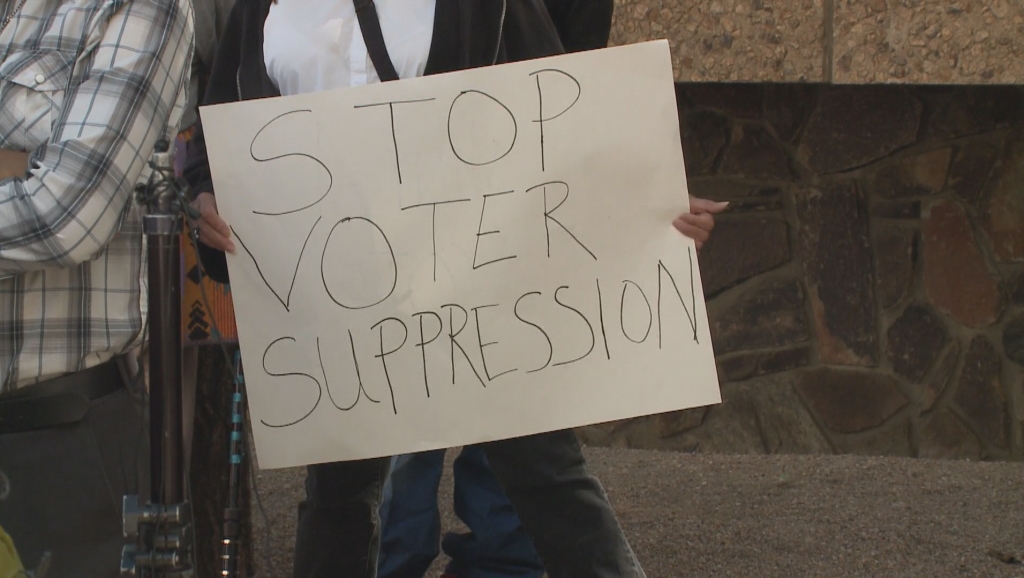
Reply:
x=833, y=41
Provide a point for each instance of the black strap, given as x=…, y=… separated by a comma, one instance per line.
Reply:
x=369, y=24
x=93, y=383
x=33, y=413
x=58, y=401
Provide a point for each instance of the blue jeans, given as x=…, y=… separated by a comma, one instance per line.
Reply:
x=563, y=508
x=496, y=546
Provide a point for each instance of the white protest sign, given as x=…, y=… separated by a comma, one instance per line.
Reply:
x=463, y=257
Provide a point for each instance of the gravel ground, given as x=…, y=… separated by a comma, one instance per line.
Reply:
x=786, y=516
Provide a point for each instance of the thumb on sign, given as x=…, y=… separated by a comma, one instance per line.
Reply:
x=698, y=223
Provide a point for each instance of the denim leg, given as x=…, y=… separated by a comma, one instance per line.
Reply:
x=563, y=508
x=411, y=522
x=496, y=545
x=338, y=531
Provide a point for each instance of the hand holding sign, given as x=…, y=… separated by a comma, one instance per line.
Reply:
x=698, y=223
x=213, y=231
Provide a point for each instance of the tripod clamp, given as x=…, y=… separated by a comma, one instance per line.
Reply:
x=158, y=534
x=159, y=539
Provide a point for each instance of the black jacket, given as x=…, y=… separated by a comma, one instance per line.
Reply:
x=467, y=34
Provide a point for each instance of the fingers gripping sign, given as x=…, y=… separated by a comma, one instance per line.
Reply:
x=698, y=223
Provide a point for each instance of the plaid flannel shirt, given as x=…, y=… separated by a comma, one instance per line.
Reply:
x=87, y=88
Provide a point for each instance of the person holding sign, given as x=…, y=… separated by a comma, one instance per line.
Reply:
x=496, y=545
x=293, y=47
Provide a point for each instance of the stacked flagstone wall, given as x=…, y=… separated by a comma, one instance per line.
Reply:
x=866, y=287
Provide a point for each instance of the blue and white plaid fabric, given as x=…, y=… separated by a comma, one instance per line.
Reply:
x=87, y=88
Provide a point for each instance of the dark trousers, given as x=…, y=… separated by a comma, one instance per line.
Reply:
x=65, y=485
x=338, y=533
x=563, y=508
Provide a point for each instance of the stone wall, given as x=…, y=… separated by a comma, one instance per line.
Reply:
x=866, y=288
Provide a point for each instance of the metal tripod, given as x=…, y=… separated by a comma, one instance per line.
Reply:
x=158, y=536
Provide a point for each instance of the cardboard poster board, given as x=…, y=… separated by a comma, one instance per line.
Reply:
x=462, y=258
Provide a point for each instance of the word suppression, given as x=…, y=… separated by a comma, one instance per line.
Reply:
x=597, y=322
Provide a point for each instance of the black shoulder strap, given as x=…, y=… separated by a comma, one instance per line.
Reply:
x=369, y=24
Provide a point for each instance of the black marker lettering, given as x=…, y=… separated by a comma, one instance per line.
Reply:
x=359, y=378
x=453, y=333
x=394, y=138
x=693, y=299
x=433, y=225
x=286, y=302
x=384, y=354
x=480, y=233
x=548, y=217
x=319, y=388
x=482, y=345
x=423, y=343
x=600, y=315
x=323, y=264
x=252, y=154
x=541, y=119
x=622, y=311
x=593, y=341
x=463, y=156
x=551, y=349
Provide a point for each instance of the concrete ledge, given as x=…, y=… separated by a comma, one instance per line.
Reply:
x=929, y=41
x=731, y=40
x=833, y=41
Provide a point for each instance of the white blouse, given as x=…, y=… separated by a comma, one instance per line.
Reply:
x=314, y=45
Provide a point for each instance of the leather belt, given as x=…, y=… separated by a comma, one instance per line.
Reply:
x=58, y=401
